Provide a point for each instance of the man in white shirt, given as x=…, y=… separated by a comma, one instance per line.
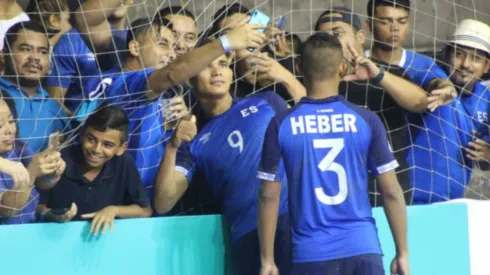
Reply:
x=11, y=13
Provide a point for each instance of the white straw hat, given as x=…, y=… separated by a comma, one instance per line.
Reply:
x=473, y=34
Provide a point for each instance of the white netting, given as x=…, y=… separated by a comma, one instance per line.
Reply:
x=431, y=23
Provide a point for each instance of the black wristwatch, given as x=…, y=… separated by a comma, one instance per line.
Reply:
x=379, y=77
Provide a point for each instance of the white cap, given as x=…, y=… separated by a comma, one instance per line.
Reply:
x=473, y=34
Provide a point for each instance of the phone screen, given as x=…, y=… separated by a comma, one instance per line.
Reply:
x=54, y=141
x=258, y=17
x=281, y=23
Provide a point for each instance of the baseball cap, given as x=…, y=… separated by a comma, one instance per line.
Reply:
x=473, y=34
x=346, y=16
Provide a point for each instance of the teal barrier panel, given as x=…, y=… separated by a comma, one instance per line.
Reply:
x=174, y=246
x=200, y=245
x=437, y=239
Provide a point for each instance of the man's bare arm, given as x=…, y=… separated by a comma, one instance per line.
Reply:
x=191, y=63
x=395, y=209
x=91, y=21
x=408, y=95
x=170, y=184
x=269, y=196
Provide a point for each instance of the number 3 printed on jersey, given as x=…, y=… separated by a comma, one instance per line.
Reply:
x=327, y=164
x=235, y=139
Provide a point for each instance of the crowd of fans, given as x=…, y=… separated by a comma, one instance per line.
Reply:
x=101, y=118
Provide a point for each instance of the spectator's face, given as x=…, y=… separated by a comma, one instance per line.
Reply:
x=215, y=80
x=468, y=65
x=185, y=32
x=100, y=147
x=8, y=128
x=157, y=52
x=345, y=33
x=29, y=56
x=390, y=26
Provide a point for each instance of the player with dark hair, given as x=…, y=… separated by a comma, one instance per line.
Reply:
x=183, y=25
x=100, y=181
x=140, y=87
x=227, y=14
x=226, y=152
x=328, y=146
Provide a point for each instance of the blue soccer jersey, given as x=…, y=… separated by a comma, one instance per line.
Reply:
x=227, y=151
x=477, y=105
x=439, y=169
x=73, y=61
x=328, y=146
x=147, y=136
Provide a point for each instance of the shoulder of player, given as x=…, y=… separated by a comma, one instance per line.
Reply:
x=368, y=116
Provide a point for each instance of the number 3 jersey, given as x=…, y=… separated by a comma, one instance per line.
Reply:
x=227, y=151
x=328, y=146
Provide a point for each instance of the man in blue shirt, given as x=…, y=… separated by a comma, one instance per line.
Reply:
x=183, y=25
x=148, y=72
x=327, y=146
x=100, y=181
x=226, y=152
x=27, y=50
x=94, y=44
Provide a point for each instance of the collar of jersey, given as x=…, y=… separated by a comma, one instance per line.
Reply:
x=40, y=92
x=205, y=118
x=329, y=99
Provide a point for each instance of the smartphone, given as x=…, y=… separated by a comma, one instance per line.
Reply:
x=281, y=23
x=59, y=211
x=54, y=141
x=258, y=17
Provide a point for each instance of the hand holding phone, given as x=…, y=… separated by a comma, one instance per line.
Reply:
x=259, y=18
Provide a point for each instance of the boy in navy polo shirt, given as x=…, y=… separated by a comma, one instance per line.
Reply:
x=101, y=181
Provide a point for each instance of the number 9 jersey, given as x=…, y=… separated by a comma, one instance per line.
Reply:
x=328, y=146
x=227, y=151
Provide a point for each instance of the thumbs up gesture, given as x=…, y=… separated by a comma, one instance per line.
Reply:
x=185, y=131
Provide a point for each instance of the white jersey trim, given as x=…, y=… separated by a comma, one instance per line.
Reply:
x=266, y=176
x=387, y=167
x=182, y=170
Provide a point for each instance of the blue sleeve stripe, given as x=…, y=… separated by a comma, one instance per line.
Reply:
x=266, y=176
x=182, y=170
x=387, y=167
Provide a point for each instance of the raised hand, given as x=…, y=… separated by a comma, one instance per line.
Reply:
x=478, y=149
x=185, y=131
x=45, y=164
x=173, y=111
x=364, y=68
x=267, y=69
x=440, y=97
x=17, y=171
x=244, y=36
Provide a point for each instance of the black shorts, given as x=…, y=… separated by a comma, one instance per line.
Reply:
x=367, y=264
x=246, y=250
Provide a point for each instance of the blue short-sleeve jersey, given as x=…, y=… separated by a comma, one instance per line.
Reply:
x=37, y=116
x=328, y=146
x=27, y=214
x=227, y=151
x=73, y=61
